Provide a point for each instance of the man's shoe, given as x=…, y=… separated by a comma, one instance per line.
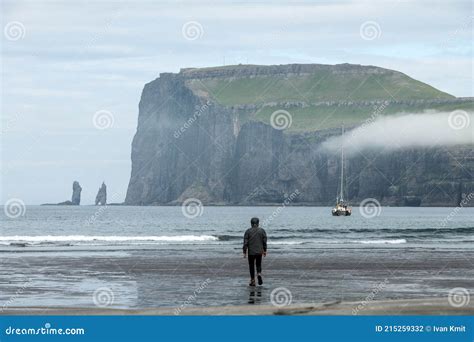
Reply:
x=252, y=282
x=260, y=280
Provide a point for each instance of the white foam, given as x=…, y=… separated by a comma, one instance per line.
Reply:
x=394, y=241
x=99, y=238
x=286, y=243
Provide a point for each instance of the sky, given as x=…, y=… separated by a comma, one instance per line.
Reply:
x=72, y=71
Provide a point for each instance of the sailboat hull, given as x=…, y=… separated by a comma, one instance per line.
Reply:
x=341, y=213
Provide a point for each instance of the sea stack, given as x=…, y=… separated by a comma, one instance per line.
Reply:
x=76, y=193
x=101, y=198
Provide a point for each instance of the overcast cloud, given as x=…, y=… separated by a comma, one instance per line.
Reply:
x=75, y=58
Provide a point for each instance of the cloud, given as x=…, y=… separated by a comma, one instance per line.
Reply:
x=78, y=57
x=67, y=163
x=406, y=130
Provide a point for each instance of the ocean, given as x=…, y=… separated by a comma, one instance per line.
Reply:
x=165, y=256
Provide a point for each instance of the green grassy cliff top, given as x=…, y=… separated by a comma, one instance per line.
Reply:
x=309, y=83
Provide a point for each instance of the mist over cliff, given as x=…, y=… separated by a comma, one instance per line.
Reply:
x=259, y=134
x=405, y=131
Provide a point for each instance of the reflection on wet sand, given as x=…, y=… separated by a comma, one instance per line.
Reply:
x=255, y=295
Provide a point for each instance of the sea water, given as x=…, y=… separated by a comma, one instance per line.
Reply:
x=160, y=256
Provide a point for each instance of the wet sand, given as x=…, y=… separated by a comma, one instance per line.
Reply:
x=427, y=306
x=324, y=281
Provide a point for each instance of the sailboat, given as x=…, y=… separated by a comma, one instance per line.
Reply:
x=341, y=208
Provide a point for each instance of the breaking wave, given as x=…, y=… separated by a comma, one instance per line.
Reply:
x=394, y=241
x=71, y=239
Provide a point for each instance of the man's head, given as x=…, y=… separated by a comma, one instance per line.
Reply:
x=254, y=221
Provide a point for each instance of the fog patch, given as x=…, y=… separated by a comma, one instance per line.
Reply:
x=407, y=130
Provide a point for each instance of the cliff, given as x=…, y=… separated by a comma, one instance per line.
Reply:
x=210, y=133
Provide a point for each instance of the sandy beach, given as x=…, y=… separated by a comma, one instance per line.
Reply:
x=427, y=306
x=147, y=282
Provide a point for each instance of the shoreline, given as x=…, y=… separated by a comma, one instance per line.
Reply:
x=279, y=204
x=435, y=306
x=152, y=281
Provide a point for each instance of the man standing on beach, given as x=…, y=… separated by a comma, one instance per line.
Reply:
x=255, y=245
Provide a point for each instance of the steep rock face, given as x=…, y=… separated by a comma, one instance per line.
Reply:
x=101, y=198
x=182, y=142
x=76, y=193
x=283, y=164
x=188, y=144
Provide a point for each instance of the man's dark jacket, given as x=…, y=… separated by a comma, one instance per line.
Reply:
x=255, y=241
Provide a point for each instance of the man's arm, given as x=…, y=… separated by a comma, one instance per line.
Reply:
x=264, y=240
x=246, y=242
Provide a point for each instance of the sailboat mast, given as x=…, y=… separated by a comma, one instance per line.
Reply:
x=341, y=196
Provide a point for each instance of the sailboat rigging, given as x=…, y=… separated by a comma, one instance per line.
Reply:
x=341, y=208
